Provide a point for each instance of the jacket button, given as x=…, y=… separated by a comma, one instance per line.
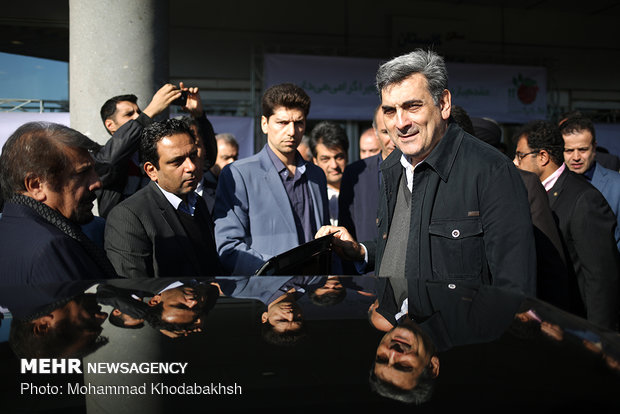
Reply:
x=377, y=221
x=451, y=286
x=456, y=233
x=384, y=236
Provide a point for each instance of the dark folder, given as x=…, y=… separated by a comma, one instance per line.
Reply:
x=308, y=259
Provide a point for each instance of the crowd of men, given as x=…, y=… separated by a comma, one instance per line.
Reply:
x=429, y=199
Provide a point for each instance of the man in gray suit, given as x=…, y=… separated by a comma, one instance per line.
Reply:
x=273, y=201
x=164, y=230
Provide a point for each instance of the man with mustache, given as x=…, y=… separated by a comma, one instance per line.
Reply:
x=48, y=180
x=580, y=157
x=164, y=230
x=451, y=206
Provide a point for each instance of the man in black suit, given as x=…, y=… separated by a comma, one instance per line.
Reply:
x=585, y=219
x=164, y=230
x=359, y=189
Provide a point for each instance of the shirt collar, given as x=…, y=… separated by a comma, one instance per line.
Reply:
x=177, y=202
x=201, y=186
x=549, y=182
x=300, y=163
x=409, y=169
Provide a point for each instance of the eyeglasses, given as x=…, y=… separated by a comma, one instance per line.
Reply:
x=520, y=156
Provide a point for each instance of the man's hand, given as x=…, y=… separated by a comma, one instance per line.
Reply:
x=193, y=104
x=345, y=245
x=162, y=100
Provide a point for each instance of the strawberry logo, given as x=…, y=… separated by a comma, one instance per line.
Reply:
x=526, y=89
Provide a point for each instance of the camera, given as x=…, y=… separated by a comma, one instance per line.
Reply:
x=182, y=101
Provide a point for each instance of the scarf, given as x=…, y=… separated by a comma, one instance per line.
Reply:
x=70, y=229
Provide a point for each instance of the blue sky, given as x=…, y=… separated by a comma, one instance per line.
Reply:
x=23, y=77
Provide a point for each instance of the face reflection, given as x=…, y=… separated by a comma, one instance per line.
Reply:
x=402, y=357
x=182, y=304
x=75, y=196
x=86, y=312
x=413, y=120
x=332, y=284
x=284, y=316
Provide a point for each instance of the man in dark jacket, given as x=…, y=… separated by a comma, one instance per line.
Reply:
x=451, y=206
x=48, y=181
x=117, y=161
x=585, y=220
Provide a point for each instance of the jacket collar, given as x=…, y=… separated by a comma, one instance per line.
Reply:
x=441, y=159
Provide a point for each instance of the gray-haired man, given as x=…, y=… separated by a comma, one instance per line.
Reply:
x=451, y=207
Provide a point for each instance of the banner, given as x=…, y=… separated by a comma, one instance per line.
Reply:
x=343, y=88
x=508, y=94
x=340, y=88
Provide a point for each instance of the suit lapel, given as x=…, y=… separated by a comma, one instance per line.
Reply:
x=171, y=220
x=557, y=188
x=274, y=183
x=317, y=200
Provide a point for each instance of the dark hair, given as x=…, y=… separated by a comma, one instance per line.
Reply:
x=460, y=116
x=330, y=298
x=117, y=320
x=576, y=124
x=39, y=149
x=25, y=343
x=155, y=132
x=154, y=318
x=329, y=134
x=109, y=107
x=544, y=135
x=288, y=338
x=421, y=393
x=287, y=95
x=425, y=62
x=154, y=313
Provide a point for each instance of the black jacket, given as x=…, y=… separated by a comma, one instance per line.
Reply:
x=587, y=227
x=470, y=216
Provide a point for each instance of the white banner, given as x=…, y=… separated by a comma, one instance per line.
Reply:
x=340, y=88
x=343, y=88
x=508, y=94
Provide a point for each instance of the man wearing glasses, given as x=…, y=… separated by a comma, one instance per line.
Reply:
x=585, y=219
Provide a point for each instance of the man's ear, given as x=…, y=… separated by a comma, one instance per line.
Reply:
x=154, y=300
x=110, y=126
x=544, y=158
x=445, y=104
x=151, y=171
x=264, y=122
x=264, y=317
x=35, y=187
x=434, y=365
